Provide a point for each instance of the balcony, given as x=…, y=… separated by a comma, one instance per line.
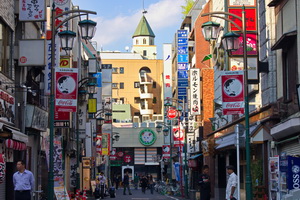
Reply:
x=145, y=79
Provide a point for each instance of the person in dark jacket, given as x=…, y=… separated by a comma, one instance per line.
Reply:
x=144, y=183
x=126, y=184
x=204, y=183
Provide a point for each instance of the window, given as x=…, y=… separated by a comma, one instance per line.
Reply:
x=114, y=85
x=121, y=85
x=5, y=38
x=136, y=84
x=121, y=70
x=144, y=41
x=122, y=100
x=137, y=41
x=137, y=99
x=114, y=70
x=144, y=53
x=289, y=64
x=154, y=84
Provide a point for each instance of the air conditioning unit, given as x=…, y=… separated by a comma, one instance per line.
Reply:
x=151, y=125
x=145, y=118
x=136, y=119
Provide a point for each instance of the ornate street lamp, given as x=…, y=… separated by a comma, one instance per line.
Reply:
x=87, y=29
x=66, y=44
x=231, y=41
x=67, y=39
x=211, y=30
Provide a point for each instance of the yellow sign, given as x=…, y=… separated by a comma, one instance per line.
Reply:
x=65, y=62
x=92, y=105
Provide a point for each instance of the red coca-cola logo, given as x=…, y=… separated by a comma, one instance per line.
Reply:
x=65, y=103
x=233, y=105
x=23, y=59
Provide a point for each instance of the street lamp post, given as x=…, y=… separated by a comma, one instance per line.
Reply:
x=180, y=110
x=54, y=29
x=230, y=42
x=167, y=131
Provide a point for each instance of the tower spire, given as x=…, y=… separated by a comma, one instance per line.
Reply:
x=144, y=11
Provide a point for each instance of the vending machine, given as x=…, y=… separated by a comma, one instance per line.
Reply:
x=274, y=178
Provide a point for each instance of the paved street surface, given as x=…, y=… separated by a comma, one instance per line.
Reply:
x=138, y=195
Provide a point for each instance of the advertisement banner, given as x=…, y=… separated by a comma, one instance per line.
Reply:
x=105, y=144
x=32, y=10
x=232, y=92
x=61, y=6
x=240, y=3
x=250, y=19
x=66, y=80
x=195, y=92
x=58, y=162
x=178, y=136
x=251, y=42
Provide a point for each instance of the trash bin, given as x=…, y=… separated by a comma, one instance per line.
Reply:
x=192, y=194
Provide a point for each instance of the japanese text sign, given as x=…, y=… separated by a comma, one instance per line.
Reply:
x=32, y=10
x=195, y=91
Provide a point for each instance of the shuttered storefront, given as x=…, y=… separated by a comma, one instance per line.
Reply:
x=290, y=148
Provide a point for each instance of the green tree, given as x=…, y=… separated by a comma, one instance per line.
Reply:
x=187, y=7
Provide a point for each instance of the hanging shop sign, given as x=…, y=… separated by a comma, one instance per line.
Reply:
x=36, y=55
x=250, y=19
x=7, y=107
x=195, y=92
x=105, y=144
x=113, y=155
x=232, y=92
x=178, y=136
x=32, y=10
x=66, y=80
x=61, y=6
x=147, y=137
x=166, y=151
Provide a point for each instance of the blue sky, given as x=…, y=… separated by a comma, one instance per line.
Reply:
x=118, y=19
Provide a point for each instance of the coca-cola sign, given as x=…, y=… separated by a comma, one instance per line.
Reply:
x=66, y=89
x=233, y=92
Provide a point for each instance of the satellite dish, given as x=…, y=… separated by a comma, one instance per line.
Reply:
x=127, y=48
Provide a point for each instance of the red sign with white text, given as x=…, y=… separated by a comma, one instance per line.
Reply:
x=166, y=151
x=66, y=80
x=178, y=136
x=232, y=92
x=127, y=158
x=250, y=19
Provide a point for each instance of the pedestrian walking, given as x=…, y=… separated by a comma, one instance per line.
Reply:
x=102, y=183
x=151, y=183
x=23, y=181
x=204, y=183
x=144, y=183
x=231, y=192
x=136, y=181
x=126, y=184
x=117, y=181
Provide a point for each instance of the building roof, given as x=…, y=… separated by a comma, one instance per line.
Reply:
x=143, y=29
x=120, y=55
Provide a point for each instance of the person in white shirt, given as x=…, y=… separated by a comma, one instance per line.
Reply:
x=231, y=191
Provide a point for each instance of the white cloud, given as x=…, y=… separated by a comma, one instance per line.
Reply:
x=163, y=14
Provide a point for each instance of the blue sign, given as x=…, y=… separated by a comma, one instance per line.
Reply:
x=182, y=74
x=182, y=33
x=182, y=41
x=182, y=91
x=183, y=98
x=183, y=66
x=99, y=79
x=182, y=50
x=182, y=58
x=183, y=83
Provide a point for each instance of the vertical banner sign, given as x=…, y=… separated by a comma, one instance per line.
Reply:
x=190, y=143
x=58, y=162
x=232, y=92
x=60, y=7
x=66, y=80
x=178, y=136
x=182, y=62
x=105, y=144
x=30, y=10
x=166, y=151
x=195, y=92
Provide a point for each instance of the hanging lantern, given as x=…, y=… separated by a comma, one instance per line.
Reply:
x=9, y=143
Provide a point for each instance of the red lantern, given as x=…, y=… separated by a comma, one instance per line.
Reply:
x=9, y=143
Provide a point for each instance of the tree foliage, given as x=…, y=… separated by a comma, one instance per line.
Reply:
x=187, y=7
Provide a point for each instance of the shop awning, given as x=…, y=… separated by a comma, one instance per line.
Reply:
x=286, y=128
x=230, y=139
x=16, y=135
x=195, y=156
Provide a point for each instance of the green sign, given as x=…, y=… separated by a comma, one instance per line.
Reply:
x=147, y=137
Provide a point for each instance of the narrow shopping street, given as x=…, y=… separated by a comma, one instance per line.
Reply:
x=138, y=195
